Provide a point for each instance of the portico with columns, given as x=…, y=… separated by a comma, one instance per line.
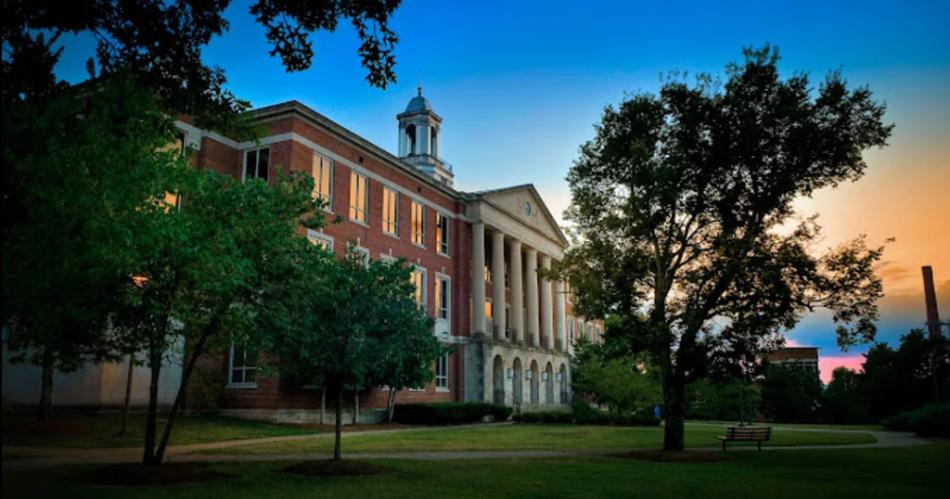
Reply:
x=518, y=353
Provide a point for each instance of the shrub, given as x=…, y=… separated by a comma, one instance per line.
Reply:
x=547, y=417
x=897, y=422
x=582, y=413
x=931, y=420
x=449, y=413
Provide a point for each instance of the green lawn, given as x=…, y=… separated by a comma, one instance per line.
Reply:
x=97, y=431
x=917, y=472
x=537, y=437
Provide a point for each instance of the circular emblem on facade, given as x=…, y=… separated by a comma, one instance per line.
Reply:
x=526, y=209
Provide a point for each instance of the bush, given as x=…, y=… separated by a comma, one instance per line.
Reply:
x=931, y=420
x=582, y=413
x=546, y=417
x=449, y=413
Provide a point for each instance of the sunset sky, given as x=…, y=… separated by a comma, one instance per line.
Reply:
x=521, y=84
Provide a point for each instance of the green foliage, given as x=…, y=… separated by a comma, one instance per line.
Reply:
x=728, y=400
x=448, y=413
x=674, y=205
x=841, y=400
x=546, y=417
x=622, y=383
x=162, y=42
x=790, y=394
x=931, y=420
x=582, y=413
x=204, y=389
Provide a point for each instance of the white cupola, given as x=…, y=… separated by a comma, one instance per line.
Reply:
x=419, y=137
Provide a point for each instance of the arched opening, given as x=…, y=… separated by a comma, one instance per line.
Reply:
x=516, y=386
x=549, y=384
x=563, y=384
x=535, y=386
x=434, y=141
x=411, y=138
x=498, y=380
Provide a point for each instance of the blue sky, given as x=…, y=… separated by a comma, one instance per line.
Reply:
x=520, y=85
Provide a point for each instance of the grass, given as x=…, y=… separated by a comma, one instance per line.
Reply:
x=807, y=426
x=918, y=472
x=533, y=437
x=101, y=430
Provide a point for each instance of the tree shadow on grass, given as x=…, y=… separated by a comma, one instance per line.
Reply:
x=328, y=467
x=686, y=456
x=140, y=475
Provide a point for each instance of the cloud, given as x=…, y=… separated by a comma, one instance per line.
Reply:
x=827, y=364
x=890, y=272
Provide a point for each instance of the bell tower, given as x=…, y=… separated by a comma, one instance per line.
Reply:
x=420, y=132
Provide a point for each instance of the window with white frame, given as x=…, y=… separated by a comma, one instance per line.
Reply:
x=442, y=372
x=442, y=233
x=417, y=224
x=257, y=163
x=570, y=330
x=359, y=197
x=360, y=253
x=390, y=211
x=323, y=180
x=320, y=239
x=419, y=281
x=443, y=299
x=243, y=367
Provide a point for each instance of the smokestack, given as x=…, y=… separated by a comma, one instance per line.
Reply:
x=930, y=298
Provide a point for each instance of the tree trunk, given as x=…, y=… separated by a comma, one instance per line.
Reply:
x=155, y=366
x=339, y=423
x=323, y=404
x=391, y=405
x=180, y=396
x=128, y=396
x=356, y=406
x=46, y=387
x=675, y=405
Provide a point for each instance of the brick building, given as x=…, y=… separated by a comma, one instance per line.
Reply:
x=475, y=255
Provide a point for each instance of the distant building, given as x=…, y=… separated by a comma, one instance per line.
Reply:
x=804, y=357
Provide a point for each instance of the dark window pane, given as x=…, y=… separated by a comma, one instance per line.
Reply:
x=262, y=163
x=250, y=165
x=236, y=376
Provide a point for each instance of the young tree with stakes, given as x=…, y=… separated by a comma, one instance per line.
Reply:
x=682, y=204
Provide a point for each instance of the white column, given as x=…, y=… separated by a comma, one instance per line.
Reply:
x=478, y=278
x=560, y=320
x=547, y=312
x=531, y=276
x=498, y=284
x=516, y=272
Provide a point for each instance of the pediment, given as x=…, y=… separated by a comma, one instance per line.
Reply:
x=524, y=204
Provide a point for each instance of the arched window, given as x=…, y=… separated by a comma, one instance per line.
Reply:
x=434, y=142
x=411, y=138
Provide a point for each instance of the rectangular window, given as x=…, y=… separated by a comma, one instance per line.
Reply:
x=418, y=224
x=442, y=372
x=321, y=239
x=256, y=164
x=442, y=298
x=570, y=330
x=390, y=211
x=419, y=281
x=359, y=198
x=243, y=366
x=361, y=253
x=442, y=233
x=323, y=180
x=489, y=311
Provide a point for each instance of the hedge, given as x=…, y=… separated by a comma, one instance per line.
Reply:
x=448, y=413
x=931, y=420
x=592, y=417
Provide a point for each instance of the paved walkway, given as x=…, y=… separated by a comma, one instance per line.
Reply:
x=23, y=458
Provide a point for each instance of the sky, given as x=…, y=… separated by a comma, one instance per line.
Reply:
x=521, y=84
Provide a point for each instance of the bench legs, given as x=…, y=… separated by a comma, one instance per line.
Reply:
x=760, y=445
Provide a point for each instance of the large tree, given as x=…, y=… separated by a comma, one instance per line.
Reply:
x=351, y=321
x=683, y=213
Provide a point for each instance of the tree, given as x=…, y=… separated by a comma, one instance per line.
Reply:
x=623, y=383
x=83, y=160
x=162, y=42
x=352, y=322
x=790, y=393
x=720, y=399
x=892, y=380
x=841, y=401
x=682, y=207
x=201, y=271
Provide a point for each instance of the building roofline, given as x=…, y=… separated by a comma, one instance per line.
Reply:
x=544, y=207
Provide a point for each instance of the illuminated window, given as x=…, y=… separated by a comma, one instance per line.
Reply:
x=323, y=180
x=442, y=372
x=359, y=206
x=418, y=224
x=390, y=211
x=419, y=281
x=489, y=311
x=243, y=364
x=256, y=164
x=442, y=233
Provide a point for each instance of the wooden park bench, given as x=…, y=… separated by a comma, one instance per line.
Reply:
x=746, y=434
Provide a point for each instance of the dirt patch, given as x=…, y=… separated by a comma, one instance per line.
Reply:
x=688, y=456
x=345, y=467
x=136, y=474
